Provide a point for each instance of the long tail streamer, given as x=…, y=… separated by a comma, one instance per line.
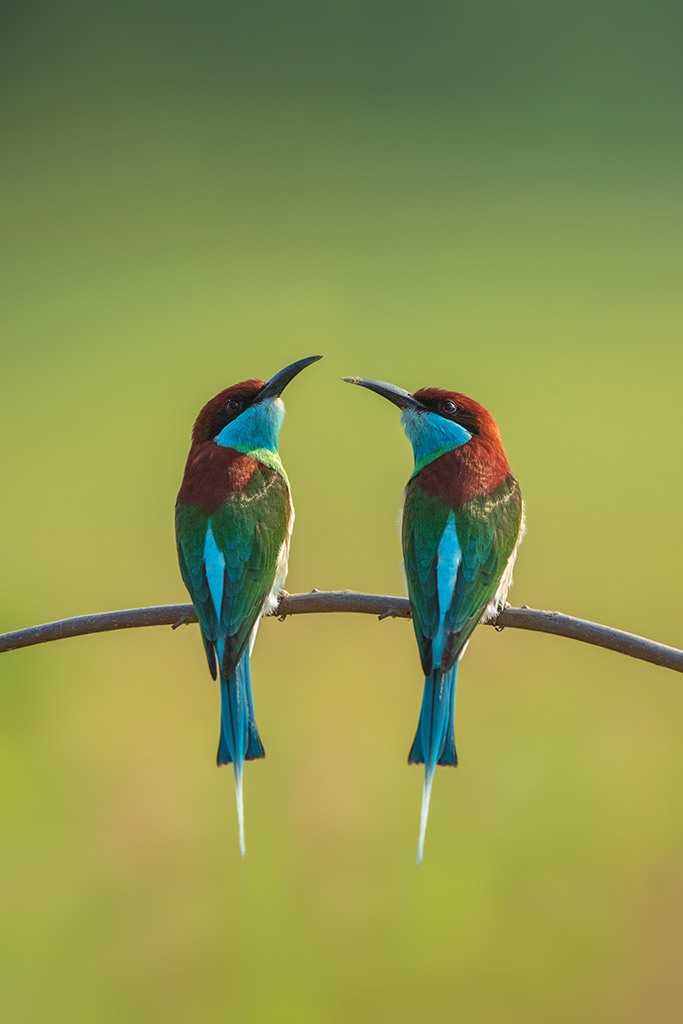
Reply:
x=239, y=739
x=434, y=741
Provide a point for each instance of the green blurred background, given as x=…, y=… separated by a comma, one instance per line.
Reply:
x=479, y=196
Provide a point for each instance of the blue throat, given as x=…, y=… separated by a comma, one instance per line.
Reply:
x=256, y=428
x=432, y=435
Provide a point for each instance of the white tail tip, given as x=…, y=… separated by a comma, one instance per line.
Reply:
x=426, y=797
x=240, y=810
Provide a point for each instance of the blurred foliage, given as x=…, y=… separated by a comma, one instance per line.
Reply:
x=480, y=197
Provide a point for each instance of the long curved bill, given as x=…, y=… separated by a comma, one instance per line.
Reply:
x=277, y=384
x=403, y=399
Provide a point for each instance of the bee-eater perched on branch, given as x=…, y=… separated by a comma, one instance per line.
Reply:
x=234, y=518
x=462, y=524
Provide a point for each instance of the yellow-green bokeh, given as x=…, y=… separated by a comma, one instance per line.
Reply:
x=197, y=198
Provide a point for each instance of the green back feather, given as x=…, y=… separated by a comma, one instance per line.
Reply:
x=487, y=529
x=249, y=529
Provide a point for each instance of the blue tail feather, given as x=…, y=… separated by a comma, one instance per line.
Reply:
x=254, y=745
x=449, y=756
x=435, y=734
x=434, y=741
x=239, y=739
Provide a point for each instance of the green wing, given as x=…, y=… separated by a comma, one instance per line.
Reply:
x=487, y=529
x=191, y=525
x=230, y=579
x=423, y=523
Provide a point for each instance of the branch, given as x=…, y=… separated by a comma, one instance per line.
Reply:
x=346, y=601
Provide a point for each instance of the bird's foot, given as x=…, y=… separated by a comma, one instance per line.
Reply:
x=504, y=607
x=282, y=594
x=182, y=621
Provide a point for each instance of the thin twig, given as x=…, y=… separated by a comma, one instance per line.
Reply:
x=347, y=601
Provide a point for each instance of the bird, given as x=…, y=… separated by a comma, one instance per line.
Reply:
x=234, y=518
x=461, y=526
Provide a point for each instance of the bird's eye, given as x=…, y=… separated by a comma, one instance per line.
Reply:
x=232, y=405
x=448, y=406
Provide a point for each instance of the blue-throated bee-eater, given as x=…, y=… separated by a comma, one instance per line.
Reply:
x=462, y=524
x=234, y=518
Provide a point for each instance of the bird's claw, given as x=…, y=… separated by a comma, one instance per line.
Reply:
x=282, y=594
x=182, y=621
x=504, y=608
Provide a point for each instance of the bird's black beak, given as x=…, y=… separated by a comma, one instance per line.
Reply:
x=277, y=384
x=403, y=399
